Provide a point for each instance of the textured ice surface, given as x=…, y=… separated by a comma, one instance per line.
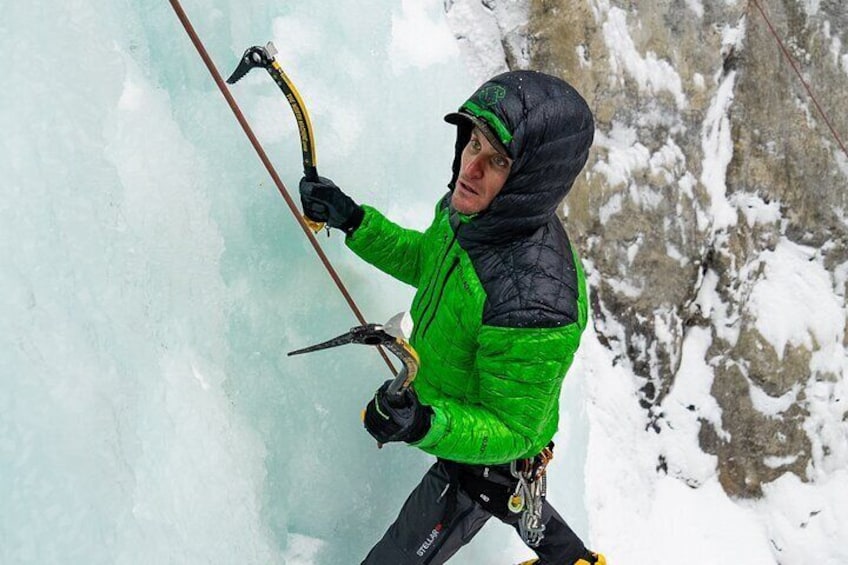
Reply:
x=152, y=279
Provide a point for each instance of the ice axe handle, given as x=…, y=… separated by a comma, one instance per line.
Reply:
x=394, y=394
x=311, y=174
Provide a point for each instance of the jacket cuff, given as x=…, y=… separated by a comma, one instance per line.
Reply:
x=353, y=221
x=438, y=428
x=365, y=222
x=421, y=425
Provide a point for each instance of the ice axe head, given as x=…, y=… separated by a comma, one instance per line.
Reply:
x=254, y=57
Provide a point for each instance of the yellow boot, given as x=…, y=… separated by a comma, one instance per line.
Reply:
x=596, y=559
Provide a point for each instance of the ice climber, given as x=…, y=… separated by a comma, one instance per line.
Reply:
x=499, y=310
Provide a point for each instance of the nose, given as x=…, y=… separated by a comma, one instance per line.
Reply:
x=474, y=168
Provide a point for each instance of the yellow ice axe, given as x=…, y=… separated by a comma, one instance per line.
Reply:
x=264, y=57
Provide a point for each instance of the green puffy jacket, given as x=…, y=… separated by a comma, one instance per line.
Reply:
x=501, y=300
x=494, y=390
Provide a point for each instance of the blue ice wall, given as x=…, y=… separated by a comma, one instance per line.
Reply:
x=151, y=278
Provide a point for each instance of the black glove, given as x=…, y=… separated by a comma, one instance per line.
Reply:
x=402, y=418
x=323, y=201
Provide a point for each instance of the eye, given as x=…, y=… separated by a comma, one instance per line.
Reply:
x=474, y=143
x=500, y=161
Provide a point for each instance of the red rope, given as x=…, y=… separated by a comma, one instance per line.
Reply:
x=175, y=4
x=788, y=56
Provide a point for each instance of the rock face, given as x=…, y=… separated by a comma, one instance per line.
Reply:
x=716, y=198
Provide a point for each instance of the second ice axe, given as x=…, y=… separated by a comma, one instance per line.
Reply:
x=388, y=335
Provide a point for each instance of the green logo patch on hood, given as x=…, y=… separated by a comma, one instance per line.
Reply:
x=490, y=95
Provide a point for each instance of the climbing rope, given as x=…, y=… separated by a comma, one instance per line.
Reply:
x=788, y=56
x=198, y=44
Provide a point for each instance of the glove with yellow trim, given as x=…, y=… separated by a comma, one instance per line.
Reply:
x=397, y=419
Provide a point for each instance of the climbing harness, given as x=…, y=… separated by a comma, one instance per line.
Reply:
x=514, y=492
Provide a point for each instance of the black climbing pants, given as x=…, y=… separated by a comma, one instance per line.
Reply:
x=450, y=505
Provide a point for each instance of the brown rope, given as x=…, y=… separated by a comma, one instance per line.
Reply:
x=791, y=60
x=175, y=4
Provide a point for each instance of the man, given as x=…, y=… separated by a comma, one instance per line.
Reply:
x=500, y=307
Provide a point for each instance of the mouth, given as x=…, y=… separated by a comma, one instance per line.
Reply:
x=467, y=188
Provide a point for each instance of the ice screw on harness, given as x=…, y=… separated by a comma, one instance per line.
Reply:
x=529, y=495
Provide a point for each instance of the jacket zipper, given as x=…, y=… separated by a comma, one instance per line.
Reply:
x=431, y=289
x=426, y=326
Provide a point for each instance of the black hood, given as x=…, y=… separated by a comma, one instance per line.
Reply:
x=547, y=129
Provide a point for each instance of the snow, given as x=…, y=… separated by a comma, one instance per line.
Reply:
x=479, y=28
x=625, y=287
x=835, y=43
x=811, y=7
x=716, y=139
x=838, y=155
x=771, y=405
x=668, y=162
x=755, y=210
x=806, y=522
x=718, y=151
x=732, y=37
x=778, y=462
x=696, y=6
x=652, y=75
x=610, y=208
x=583, y=58
x=626, y=155
x=826, y=426
x=638, y=513
x=690, y=400
x=793, y=301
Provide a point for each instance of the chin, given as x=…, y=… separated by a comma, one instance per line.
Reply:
x=462, y=205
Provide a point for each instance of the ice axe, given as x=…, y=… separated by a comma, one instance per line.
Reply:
x=389, y=335
x=263, y=57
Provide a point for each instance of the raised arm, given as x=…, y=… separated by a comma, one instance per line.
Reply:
x=389, y=247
